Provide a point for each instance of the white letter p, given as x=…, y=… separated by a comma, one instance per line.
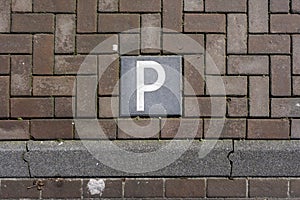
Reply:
x=140, y=83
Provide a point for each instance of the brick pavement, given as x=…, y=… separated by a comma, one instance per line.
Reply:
x=255, y=45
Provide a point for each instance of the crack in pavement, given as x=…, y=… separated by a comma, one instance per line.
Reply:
x=24, y=159
x=230, y=161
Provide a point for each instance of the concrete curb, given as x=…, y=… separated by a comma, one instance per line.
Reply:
x=72, y=159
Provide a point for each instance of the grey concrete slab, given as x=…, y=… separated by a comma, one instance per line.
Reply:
x=12, y=164
x=72, y=159
x=167, y=100
x=266, y=158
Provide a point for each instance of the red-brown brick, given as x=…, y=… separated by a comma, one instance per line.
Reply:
x=215, y=54
x=209, y=23
x=33, y=23
x=78, y=64
x=193, y=75
x=277, y=188
x=108, y=69
x=204, y=106
x=232, y=128
x=21, y=75
x=51, y=129
x=140, y=6
x=226, y=188
x=5, y=16
x=258, y=16
x=63, y=107
x=86, y=43
x=31, y=107
x=140, y=128
x=56, y=6
x=150, y=37
x=17, y=43
x=279, y=6
x=61, y=189
x=108, y=5
x=268, y=129
x=185, y=188
x=172, y=15
x=237, y=107
x=259, y=96
x=14, y=130
x=281, y=73
x=269, y=44
x=294, y=188
x=53, y=86
x=108, y=107
x=237, y=35
x=43, y=58
x=4, y=96
x=64, y=34
x=181, y=128
x=143, y=188
x=86, y=16
x=248, y=65
x=223, y=6
x=282, y=23
x=113, y=189
x=21, y=5
x=4, y=64
x=118, y=22
x=9, y=188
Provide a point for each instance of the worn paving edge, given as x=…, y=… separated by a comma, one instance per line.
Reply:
x=72, y=159
x=266, y=158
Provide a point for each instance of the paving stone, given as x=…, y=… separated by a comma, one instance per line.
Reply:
x=268, y=188
x=150, y=33
x=193, y=5
x=140, y=6
x=108, y=5
x=71, y=158
x=79, y=64
x=143, y=188
x=258, y=16
x=172, y=15
x=43, y=58
x=18, y=43
x=31, y=107
x=9, y=188
x=59, y=188
x=12, y=164
x=86, y=16
x=285, y=107
x=4, y=98
x=14, y=130
x=279, y=6
x=5, y=19
x=248, y=65
x=64, y=34
x=56, y=6
x=21, y=5
x=265, y=158
x=167, y=97
x=222, y=6
x=113, y=189
x=259, y=96
x=226, y=188
x=21, y=76
x=33, y=23
x=187, y=188
x=118, y=22
x=211, y=23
